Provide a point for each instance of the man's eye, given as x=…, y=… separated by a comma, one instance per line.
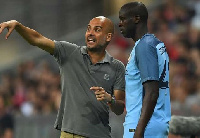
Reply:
x=98, y=30
x=88, y=29
x=122, y=20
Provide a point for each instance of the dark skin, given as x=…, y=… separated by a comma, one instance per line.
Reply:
x=132, y=26
x=149, y=102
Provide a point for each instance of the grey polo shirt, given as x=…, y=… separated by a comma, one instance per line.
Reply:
x=80, y=112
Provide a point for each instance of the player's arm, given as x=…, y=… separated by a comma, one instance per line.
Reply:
x=149, y=72
x=149, y=102
x=30, y=35
x=116, y=103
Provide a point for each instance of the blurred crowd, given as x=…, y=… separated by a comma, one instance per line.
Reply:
x=177, y=25
x=34, y=87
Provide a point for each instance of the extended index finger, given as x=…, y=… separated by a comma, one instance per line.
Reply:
x=96, y=88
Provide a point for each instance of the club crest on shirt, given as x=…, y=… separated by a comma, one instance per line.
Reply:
x=162, y=50
x=106, y=77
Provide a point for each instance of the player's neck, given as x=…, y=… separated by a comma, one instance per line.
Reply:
x=96, y=57
x=141, y=31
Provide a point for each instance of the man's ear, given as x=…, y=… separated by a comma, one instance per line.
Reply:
x=137, y=19
x=109, y=37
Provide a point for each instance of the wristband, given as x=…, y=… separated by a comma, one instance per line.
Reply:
x=112, y=101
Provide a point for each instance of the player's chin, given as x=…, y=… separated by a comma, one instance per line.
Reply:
x=124, y=34
x=91, y=45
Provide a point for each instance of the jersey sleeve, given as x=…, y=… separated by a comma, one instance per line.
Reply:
x=120, y=77
x=147, y=61
x=63, y=50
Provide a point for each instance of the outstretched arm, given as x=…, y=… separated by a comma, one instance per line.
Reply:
x=30, y=35
x=118, y=105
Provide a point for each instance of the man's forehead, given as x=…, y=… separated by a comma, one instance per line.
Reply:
x=123, y=13
x=96, y=22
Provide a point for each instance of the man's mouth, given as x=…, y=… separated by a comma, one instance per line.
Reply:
x=122, y=30
x=91, y=40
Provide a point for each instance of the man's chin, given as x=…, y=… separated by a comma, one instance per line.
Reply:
x=126, y=36
x=90, y=47
x=123, y=34
x=93, y=48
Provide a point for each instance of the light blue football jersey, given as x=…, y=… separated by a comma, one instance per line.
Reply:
x=148, y=61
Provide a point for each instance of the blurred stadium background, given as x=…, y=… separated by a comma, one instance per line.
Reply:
x=29, y=77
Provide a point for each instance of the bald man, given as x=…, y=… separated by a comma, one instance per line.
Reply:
x=91, y=80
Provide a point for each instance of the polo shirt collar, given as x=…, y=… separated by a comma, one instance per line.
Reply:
x=107, y=58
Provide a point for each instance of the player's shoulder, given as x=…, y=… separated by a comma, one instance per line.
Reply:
x=65, y=43
x=150, y=39
x=117, y=63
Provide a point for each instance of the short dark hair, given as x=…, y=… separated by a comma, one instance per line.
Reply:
x=136, y=8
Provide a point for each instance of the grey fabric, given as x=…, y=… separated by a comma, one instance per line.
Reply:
x=185, y=126
x=80, y=112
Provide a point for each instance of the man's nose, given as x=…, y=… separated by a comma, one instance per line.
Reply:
x=120, y=24
x=91, y=32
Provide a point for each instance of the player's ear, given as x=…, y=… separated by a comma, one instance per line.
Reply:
x=109, y=37
x=137, y=19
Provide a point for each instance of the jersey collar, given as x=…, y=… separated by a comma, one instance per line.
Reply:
x=107, y=59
